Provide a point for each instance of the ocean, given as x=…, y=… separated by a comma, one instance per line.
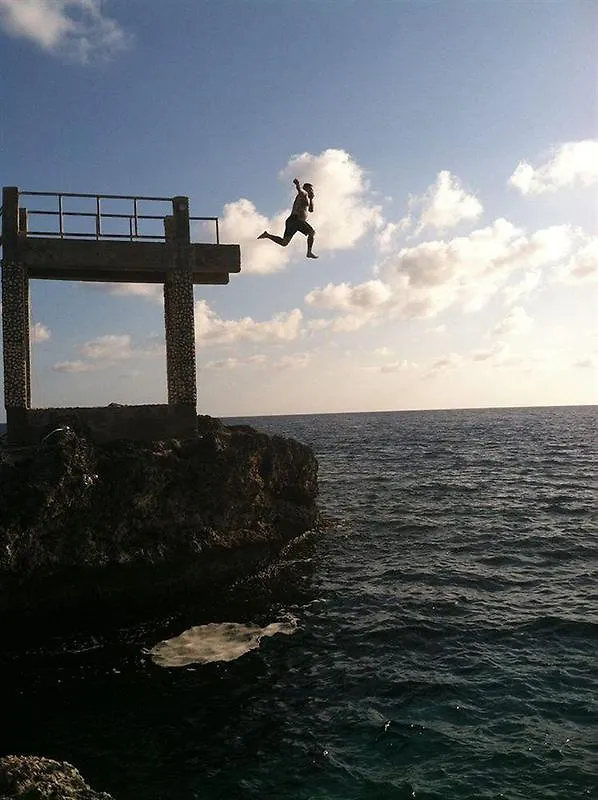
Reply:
x=439, y=642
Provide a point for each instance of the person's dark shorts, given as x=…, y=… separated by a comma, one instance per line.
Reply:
x=295, y=224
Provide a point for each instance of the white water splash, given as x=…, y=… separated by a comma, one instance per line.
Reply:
x=217, y=641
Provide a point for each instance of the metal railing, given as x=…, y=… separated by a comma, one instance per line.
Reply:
x=134, y=218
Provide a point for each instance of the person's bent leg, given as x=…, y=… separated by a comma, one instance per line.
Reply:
x=310, y=244
x=283, y=242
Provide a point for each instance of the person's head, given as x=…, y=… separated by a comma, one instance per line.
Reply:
x=309, y=189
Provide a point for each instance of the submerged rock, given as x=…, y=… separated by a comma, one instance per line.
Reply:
x=38, y=778
x=125, y=521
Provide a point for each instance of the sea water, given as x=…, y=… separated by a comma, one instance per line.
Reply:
x=439, y=642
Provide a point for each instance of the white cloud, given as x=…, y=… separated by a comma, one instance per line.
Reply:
x=571, y=163
x=290, y=361
x=73, y=366
x=497, y=355
x=385, y=238
x=153, y=291
x=223, y=363
x=523, y=287
x=515, y=323
x=256, y=360
x=444, y=363
x=39, y=333
x=242, y=224
x=446, y=203
x=397, y=366
x=583, y=266
x=437, y=329
x=589, y=362
x=344, y=296
x=467, y=270
x=344, y=212
x=383, y=352
x=211, y=329
x=108, y=348
x=428, y=278
x=293, y=361
x=77, y=28
x=360, y=304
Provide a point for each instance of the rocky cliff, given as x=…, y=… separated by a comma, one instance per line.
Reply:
x=38, y=778
x=131, y=522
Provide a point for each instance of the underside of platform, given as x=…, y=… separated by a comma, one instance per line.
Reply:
x=29, y=426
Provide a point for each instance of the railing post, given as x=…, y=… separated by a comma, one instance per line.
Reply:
x=15, y=316
x=179, y=317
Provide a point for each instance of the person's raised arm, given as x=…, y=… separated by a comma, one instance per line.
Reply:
x=298, y=187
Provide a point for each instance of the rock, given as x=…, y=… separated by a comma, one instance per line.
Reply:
x=83, y=522
x=38, y=778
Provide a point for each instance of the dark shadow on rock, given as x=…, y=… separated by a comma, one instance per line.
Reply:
x=125, y=526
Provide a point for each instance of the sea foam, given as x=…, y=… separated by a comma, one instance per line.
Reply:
x=217, y=641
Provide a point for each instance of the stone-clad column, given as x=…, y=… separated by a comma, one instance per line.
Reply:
x=15, y=309
x=179, y=317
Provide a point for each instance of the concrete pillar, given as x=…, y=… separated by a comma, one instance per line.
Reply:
x=179, y=316
x=15, y=309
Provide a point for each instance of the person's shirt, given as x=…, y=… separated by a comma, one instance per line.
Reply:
x=300, y=205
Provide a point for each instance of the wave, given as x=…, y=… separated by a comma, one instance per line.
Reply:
x=583, y=628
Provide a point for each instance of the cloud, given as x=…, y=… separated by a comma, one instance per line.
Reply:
x=293, y=361
x=515, y=323
x=589, y=362
x=73, y=366
x=39, y=333
x=224, y=363
x=108, y=348
x=445, y=363
x=104, y=351
x=256, y=360
x=211, y=329
x=76, y=28
x=343, y=324
x=360, y=304
x=446, y=203
x=242, y=223
x=523, y=287
x=467, y=271
x=153, y=291
x=424, y=280
x=494, y=354
x=344, y=212
x=443, y=205
x=571, y=163
x=397, y=366
x=344, y=296
x=583, y=266
x=344, y=209
x=386, y=236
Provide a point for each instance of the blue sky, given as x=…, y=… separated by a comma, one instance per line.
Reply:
x=453, y=147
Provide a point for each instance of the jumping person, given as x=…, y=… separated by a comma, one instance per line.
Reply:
x=297, y=219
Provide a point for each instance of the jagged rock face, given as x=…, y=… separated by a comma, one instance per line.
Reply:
x=38, y=778
x=80, y=518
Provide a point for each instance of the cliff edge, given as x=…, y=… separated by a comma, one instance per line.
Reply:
x=130, y=522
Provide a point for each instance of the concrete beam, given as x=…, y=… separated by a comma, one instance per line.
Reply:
x=146, y=422
x=89, y=259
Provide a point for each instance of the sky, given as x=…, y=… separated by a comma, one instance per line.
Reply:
x=453, y=149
